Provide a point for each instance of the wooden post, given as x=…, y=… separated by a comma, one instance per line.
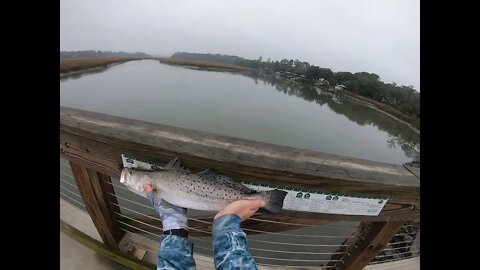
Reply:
x=93, y=188
x=369, y=239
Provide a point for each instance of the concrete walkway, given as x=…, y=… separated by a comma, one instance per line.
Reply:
x=75, y=256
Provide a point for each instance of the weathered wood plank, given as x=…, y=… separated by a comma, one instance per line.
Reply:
x=415, y=170
x=97, y=141
x=92, y=187
x=369, y=239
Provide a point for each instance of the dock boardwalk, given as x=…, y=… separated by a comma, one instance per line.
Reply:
x=96, y=142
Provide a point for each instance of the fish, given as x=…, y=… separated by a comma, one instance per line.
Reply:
x=208, y=190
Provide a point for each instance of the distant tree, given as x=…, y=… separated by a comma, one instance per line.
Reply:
x=343, y=77
x=313, y=73
x=326, y=73
x=367, y=76
x=405, y=98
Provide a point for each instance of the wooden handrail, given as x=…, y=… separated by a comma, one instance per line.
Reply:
x=94, y=142
x=97, y=141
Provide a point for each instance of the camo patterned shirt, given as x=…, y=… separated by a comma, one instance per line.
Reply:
x=229, y=248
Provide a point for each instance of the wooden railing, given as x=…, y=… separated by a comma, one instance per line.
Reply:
x=93, y=143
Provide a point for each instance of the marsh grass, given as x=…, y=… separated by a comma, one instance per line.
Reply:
x=71, y=65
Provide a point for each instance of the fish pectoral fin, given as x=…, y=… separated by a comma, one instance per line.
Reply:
x=177, y=165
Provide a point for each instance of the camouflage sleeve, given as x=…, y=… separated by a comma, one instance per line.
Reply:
x=230, y=244
x=175, y=253
x=173, y=217
x=152, y=200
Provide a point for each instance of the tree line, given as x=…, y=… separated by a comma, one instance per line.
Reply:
x=398, y=136
x=93, y=53
x=404, y=98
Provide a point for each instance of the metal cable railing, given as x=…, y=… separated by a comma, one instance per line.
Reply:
x=254, y=219
x=393, y=260
x=266, y=252
x=307, y=246
x=68, y=187
x=402, y=246
x=207, y=232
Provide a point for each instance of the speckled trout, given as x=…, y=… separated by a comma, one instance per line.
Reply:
x=207, y=190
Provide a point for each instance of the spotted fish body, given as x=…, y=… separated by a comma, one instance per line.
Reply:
x=207, y=190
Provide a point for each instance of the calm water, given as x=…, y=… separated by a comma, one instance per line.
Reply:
x=256, y=108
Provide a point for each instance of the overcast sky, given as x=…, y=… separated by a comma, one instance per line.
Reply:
x=379, y=36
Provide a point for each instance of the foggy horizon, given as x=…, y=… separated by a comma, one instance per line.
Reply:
x=370, y=35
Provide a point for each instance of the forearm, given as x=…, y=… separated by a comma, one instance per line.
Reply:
x=230, y=244
x=175, y=252
x=173, y=217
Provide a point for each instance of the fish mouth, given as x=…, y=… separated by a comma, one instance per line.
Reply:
x=123, y=175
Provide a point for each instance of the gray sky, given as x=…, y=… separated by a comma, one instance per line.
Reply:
x=379, y=36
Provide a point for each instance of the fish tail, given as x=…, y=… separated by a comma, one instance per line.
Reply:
x=273, y=200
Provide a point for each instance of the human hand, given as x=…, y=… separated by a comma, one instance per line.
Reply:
x=243, y=208
x=172, y=216
x=147, y=187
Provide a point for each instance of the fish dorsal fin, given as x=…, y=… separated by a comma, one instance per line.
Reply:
x=176, y=165
x=213, y=175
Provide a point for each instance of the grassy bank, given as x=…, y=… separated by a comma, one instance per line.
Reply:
x=388, y=109
x=71, y=65
x=204, y=64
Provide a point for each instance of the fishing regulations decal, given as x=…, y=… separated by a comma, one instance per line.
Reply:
x=301, y=200
x=327, y=203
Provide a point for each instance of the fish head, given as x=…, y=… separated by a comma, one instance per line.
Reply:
x=130, y=176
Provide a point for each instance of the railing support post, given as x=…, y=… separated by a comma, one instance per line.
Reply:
x=94, y=189
x=369, y=239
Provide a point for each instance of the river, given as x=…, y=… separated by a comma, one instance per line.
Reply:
x=254, y=107
x=250, y=107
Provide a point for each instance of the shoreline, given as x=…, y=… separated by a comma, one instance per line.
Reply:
x=372, y=106
x=387, y=110
x=206, y=65
x=79, y=65
x=70, y=67
x=87, y=70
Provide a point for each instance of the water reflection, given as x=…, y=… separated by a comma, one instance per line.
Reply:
x=66, y=77
x=400, y=135
x=246, y=106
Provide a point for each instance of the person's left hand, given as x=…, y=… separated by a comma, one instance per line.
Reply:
x=172, y=216
x=147, y=187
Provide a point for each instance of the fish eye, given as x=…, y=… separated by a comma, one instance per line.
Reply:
x=131, y=172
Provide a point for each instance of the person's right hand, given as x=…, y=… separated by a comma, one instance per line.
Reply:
x=243, y=208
